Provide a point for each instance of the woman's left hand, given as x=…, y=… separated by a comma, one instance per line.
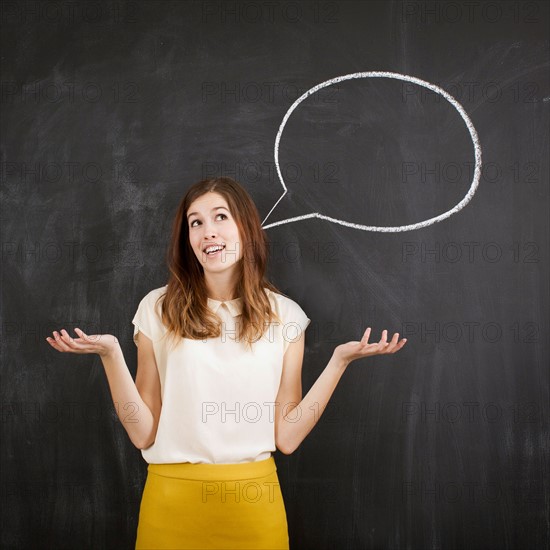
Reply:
x=357, y=350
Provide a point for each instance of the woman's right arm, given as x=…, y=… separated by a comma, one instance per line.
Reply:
x=148, y=385
x=138, y=404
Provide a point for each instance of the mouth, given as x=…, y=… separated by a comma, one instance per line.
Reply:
x=216, y=249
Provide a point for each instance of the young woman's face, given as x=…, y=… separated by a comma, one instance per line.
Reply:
x=210, y=223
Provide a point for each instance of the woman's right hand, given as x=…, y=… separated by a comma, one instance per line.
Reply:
x=102, y=344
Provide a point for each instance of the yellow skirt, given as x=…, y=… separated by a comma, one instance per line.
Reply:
x=212, y=506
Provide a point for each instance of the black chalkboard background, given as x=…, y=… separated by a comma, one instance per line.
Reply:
x=111, y=110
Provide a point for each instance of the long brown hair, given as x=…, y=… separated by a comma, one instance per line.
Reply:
x=185, y=309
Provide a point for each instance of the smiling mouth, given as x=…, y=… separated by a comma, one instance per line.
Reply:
x=215, y=251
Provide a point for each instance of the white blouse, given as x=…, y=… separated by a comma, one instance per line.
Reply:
x=218, y=397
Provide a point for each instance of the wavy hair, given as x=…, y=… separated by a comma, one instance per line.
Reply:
x=185, y=310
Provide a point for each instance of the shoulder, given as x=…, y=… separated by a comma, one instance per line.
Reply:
x=152, y=297
x=148, y=316
x=294, y=319
x=287, y=308
x=156, y=292
x=279, y=299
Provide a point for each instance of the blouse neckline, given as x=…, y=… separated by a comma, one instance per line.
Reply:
x=234, y=306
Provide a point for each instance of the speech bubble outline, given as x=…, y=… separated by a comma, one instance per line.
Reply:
x=388, y=229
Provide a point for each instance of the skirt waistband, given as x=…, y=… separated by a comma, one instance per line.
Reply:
x=208, y=472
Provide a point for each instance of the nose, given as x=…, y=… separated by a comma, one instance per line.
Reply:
x=209, y=231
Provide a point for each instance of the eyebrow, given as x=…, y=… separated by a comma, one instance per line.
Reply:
x=215, y=208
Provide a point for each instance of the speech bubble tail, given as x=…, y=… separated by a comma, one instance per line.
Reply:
x=273, y=207
x=290, y=206
x=290, y=220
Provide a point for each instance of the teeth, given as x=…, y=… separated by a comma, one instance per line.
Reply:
x=212, y=249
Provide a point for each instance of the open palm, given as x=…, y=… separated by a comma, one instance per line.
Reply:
x=357, y=350
x=102, y=344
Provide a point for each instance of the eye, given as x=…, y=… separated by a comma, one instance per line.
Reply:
x=196, y=220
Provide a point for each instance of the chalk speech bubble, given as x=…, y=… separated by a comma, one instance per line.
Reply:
x=394, y=229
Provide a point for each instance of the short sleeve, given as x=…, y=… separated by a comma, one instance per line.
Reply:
x=296, y=322
x=146, y=318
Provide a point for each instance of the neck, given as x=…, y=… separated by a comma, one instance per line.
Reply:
x=221, y=287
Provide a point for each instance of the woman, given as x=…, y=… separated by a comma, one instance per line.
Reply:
x=218, y=386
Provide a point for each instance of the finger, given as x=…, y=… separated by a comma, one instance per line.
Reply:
x=393, y=343
x=385, y=345
x=61, y=345
x=88, y=338
x=66, y=337
x=53, y=343
x=70, y=341
x=380, y=346
x=366, y=335
x=400, y=345
x=82, y=334
x=82, y=337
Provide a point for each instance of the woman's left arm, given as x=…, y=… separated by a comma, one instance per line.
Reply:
x=292, y=426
